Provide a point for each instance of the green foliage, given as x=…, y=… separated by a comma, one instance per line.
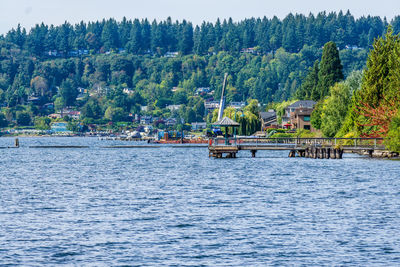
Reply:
x=59, y=103
x=72, y=126
x=280, y=108
x=316, y=120
x=68, y=92
x=273, y=71
x=42, y=123
x=381, y=77
x=92, y=109
x=330, y=70
x=392, y=140
x=283, y=135
x=308, y=90
x=3, y=121
x=115, y=114
x=23, y=118
x=380, y=84
x=247, y=118
x=334, y=109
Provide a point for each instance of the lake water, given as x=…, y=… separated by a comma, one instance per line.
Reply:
x=175, y=206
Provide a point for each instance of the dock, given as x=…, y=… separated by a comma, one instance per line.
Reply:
x=316, y=148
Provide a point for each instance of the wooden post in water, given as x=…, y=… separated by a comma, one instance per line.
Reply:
x=328, y=153
x=292, y=154
x=253, y=153
x=340, y=151
x=318, y=153
x=16, y=142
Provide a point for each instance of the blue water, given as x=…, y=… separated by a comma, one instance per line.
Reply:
x=177, y=207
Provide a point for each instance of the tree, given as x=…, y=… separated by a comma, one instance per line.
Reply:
x=92, y=109
x=68, y=92
x=376, y=103
x=115, y=114
x=59, y=103
x=392, y=141
x=42, y=123
x=23, y=118
x=330, y=70
x=3, y=121
x=335, y=108
x=308, y=89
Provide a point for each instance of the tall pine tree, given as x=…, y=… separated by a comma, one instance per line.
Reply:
x=308, y=89
x=330, y=70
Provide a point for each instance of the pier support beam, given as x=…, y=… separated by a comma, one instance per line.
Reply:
x=16, y=142
x=292, y=154
x=340, y=152
x=253, y=153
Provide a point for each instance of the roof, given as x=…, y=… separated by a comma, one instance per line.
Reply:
x=303, y=111
x=226, y=122
x=303, y=103
x=267, y=115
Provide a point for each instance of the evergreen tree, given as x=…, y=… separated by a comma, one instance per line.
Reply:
x=330, y=70
x=381, y=77
x=308, y=90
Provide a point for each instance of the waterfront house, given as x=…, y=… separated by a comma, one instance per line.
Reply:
x=237, y=105
x=203, y=90
x=268, y=119
x=298, y=114
x=301, y=118
x=146, y=120
x=173, y=107
x=211, y=105
x=199, y=126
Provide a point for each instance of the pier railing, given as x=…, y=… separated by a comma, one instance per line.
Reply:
x=356, y=143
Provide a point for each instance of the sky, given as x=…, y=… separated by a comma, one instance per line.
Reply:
x=31, y=12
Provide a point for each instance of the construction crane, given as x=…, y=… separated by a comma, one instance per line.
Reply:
x=222, y=102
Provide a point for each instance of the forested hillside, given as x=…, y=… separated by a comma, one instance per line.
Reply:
x=162, y=63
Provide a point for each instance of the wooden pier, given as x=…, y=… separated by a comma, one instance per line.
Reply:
x=316, y=148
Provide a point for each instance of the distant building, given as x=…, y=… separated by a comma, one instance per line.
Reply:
x=211, y=105
x=48, y=106
x=301, y=118
x=237, y=105
x=203, y=90
x=352, y=47
x=144, y=108
x=199, y=126
x=145, y=120
x=128, y=91
x=174, y=89
x=170, y=122
x=250, y=50
x=268, y=120
x=171, y=54
x=74, y=114
x=34, y=100
x=298, y=114
x=173, y=107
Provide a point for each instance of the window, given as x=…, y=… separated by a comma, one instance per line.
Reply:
x=306, y=118
x=307, y=127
